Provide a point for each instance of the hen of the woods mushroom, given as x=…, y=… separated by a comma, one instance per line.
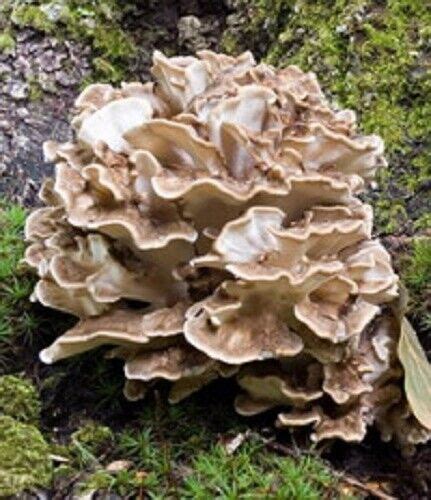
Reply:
x=207, y=225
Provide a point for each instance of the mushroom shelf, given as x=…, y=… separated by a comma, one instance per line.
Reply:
x=208, y=225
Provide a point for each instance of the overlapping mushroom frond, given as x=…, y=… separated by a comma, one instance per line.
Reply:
x=207, y=225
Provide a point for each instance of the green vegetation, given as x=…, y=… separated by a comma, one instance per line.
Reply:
x=89, y=442
x=93, y=436
x=35, y=91
x=19, y=399
x=252, y=473
x=390, y=215
x=123, y=483
x=24, y=457
x=16, y=318
x=165, y=438
x=416, y=273
x=163, y=451
x=369, y=56
x=177, y=452
x=96, y=23
x=7, y=42
x=12, y=218
x=180, y=430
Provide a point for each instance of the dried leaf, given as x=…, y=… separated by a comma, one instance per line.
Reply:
x=373, y=488
x=232, y=444
x=417, y=369
x=119, y=465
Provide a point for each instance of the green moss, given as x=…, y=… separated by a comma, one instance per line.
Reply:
x=421, y=172
x=416, y=274
x=16, y=283
x=99, y=480
x=180, y=458
x=31, y=16
x=229, y=43
x=12, y=218
x=93, y=436
x=24, y=457
x=94, y=22
x=423, y=222
x=389, y=215
x=368, y=55
x=35, y=92
x=106, y=70
x=124, y=483
x=63, y=471
x=7, y=42
x=19, y=399
x=90, y=441
x=252, y=473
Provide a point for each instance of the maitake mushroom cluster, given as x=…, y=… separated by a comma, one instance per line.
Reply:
x=208, y=225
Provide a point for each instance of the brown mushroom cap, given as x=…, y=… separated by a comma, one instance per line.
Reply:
x=350, y=427
x=248, y=337
x=343, y=381
x=298, y=418
x=258, y=246
x=112, y=121
x=187, y=367
x=78, y=302
x=134, y=390
x=399, y=423
x=319, y=147
x=172, y=363
x=269, y=386
x=331, y=312
x=124, y=327
x=95, y=206
x=213, y=202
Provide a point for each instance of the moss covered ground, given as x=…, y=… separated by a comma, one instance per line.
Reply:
x=24, y=457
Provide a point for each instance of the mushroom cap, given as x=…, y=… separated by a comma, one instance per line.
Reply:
x=239, y=339
x=78, y=302
x=267, y=386
x=257, y=245
x=350, y=427
x=93, y=203
x=109, y=123
x=172, y=363
x=124, y=327
x=298, y=418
